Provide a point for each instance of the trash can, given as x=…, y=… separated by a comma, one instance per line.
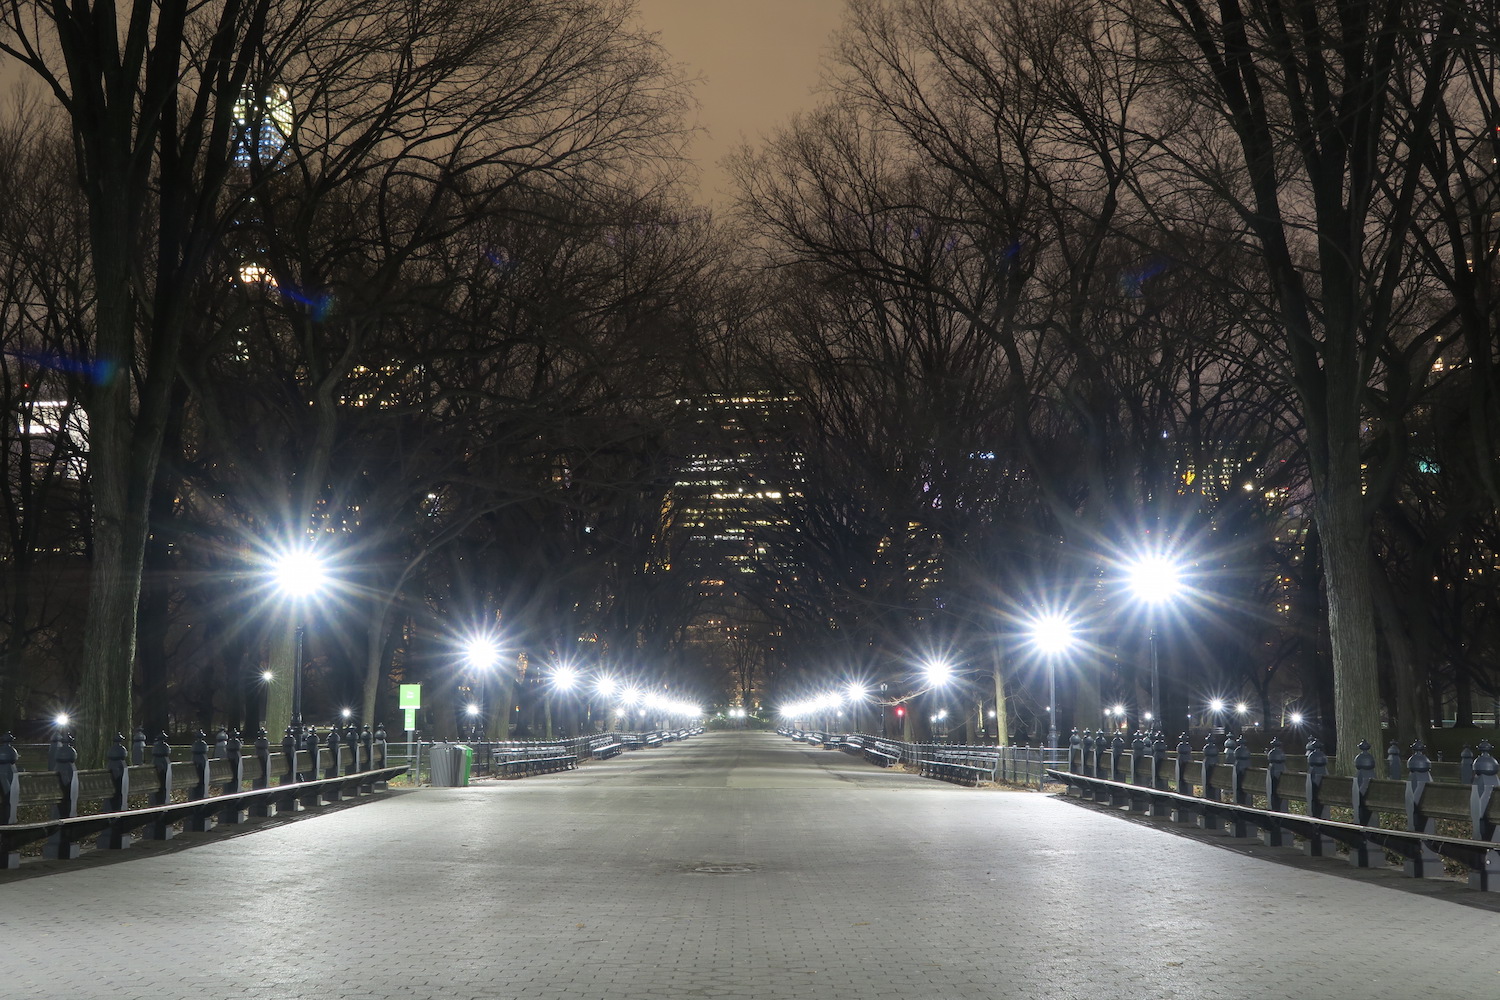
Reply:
x=464, y=763
x=443, y=763
x=451, y=764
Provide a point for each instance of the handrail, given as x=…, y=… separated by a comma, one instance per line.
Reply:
x=1421, y=849
x=64, y=833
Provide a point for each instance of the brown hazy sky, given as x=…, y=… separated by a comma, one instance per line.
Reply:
x=758, y=60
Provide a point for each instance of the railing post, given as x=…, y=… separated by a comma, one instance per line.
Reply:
x=310, y=797
x=161, y=757
x=1393, y=761
x=1359, y=793
x=288, y=802
x=380, y=758
x=1086, y=764
x=114, y=837
x=1316, y=844
x=10, y=780
x=1117, y=796
x=234, y=750
x=367, y=747
x=351, y=740
x=262, y=806
x=10, y=794
x=1486, y=874
x=1271, y=834
x=334, y=793
x=61, y=844
x=1158, y=806
x=1075, y=751
x=1098, y=764
x=1140, y=802
x=1466, y=766
x=1209, y=818
x=138, y=743
x=201, y=821
x=221, y=743
x=289, y=749
x=1423, y=862
x=1182, y=784
x=1238, y=793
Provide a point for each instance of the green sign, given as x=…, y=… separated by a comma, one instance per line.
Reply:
x=411, y=697
x=411, y=719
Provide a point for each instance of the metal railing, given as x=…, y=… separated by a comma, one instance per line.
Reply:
x=1016, y=765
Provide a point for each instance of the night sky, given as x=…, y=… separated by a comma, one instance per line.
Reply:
x=757, y=61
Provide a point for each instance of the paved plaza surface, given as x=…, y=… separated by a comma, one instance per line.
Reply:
x=825, y=878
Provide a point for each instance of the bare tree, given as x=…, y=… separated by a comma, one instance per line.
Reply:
x=412, y=113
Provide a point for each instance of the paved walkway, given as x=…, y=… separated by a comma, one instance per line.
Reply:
x=834, y=880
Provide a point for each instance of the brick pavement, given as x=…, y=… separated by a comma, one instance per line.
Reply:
x=845, y=881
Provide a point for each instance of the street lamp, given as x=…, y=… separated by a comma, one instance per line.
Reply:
x=1053, y=635
x=1154, y=580
x=481, y=654
x=939, y=672
x=299, y=573
x=855, y=695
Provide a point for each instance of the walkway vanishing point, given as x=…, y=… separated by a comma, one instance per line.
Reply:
x=734, y=865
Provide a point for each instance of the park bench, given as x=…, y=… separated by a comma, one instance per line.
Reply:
x=522, y=762
x=882, y=754
x=605, y=748
x=950, y=767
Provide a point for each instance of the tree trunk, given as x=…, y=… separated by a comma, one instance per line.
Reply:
x=1344, y=532
x=1002, y=708
x=1411, y=714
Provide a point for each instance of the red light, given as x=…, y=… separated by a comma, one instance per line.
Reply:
x=900, y=710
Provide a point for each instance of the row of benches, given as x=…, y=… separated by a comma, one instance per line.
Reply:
x=510, y=760
x=522, y=762
x=965, y=768
x=877, y=752
x=953, y=768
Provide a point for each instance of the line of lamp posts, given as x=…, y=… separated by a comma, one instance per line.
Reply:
x=1153, y=580
x=299, y=573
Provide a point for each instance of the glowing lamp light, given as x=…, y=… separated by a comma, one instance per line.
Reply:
x=472, y=710
x=482, y=653
x=565, y=679
x=62, y=719
x=267, y=676
x=299, y=573
x=606, y=686
x=1053, y=634
x=1217, y=705
x=1154, y=579
x=939, y=672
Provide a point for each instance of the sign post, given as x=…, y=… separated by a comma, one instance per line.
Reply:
x=409, y=701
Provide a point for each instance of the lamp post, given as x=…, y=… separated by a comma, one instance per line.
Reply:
x=564, y=680
x=299, y=573
x=855, y=694
x=605, y=687
x=939, y=673
x=1154, y=580
x=481, y=654
x=1053, y=635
